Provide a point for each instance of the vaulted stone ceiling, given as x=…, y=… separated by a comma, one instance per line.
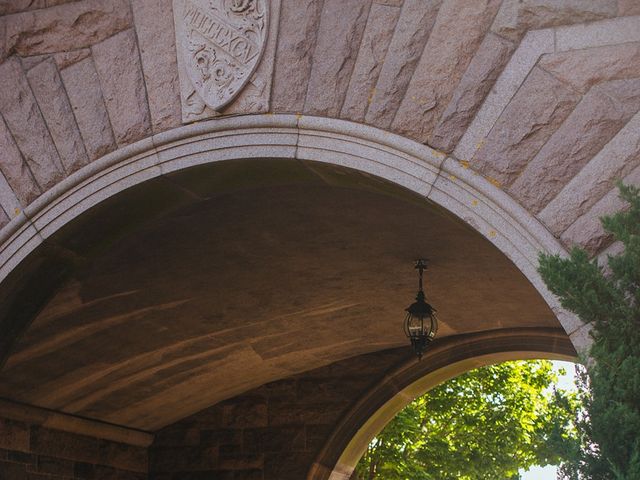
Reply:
x=541, y=97
x=229, y=283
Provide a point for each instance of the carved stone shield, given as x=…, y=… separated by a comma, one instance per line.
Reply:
x=221, y=42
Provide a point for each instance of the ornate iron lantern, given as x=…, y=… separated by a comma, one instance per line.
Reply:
x=421, y=324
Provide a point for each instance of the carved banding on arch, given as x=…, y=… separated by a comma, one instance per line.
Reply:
x=447, y=359
x=414, y=166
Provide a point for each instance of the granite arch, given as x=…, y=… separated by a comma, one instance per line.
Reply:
x=445, y=99
x=427, y=172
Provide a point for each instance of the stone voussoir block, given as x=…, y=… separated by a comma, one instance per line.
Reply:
x=65, y=59
x=85, y=95
x=483, y=70
x=443, y=62
x=299, y=20
x=594, y=122
x=409, y=38
x=516, y=17
x=583, y=69
x=24, y=119
x=587, y=231
x=15, y=170
x=614, y=161
x=118, y=65
x=156, y=41
x=628, y=7
x=340, y=32
x=536, y=111
x=66, y=27
x=371, y=55
x=52, y=99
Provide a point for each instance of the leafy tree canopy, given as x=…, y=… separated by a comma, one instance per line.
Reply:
x=485, y=424
x=609, y=446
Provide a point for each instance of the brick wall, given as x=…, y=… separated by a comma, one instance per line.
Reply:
x=32, y=452
x=271, y=433
x=274, y=432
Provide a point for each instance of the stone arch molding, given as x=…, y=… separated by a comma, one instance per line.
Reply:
x=447, y=359
x=427, y=172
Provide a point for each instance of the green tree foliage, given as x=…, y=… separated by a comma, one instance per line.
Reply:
x=610, y=302
x=485, y=424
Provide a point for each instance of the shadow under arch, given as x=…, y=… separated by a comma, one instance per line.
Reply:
x=445, y=360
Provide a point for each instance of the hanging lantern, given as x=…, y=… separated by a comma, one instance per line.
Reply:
x=420, y=324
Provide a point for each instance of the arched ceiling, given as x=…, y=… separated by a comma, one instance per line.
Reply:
x=199, y=285
x=196, y=286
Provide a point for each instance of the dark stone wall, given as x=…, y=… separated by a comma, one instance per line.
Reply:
x=274, y=432
x=32, y=452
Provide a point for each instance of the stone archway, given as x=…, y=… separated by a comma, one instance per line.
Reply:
x=311, y=140
x=309, y=143
x=448, y=100
x=378, y=406
x=418, y=168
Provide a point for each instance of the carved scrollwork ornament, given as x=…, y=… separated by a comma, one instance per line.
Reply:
x=240, y=6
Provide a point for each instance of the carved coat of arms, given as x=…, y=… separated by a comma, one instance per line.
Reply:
x=221, y=42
